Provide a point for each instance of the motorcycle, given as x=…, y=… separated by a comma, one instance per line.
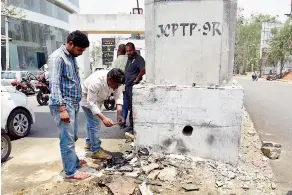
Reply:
x=254, y=78
x=43, y=92
x=5, y=145
x=110, y=103
x=271, y=77
x=25, y=85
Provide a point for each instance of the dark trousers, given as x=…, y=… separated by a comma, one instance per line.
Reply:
x=129, y=94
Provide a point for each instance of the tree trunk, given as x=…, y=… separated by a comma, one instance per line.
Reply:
x=281, y=68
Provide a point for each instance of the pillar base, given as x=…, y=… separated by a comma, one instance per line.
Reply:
x=200, y=122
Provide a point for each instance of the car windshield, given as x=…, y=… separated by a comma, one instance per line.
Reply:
x=8, y=75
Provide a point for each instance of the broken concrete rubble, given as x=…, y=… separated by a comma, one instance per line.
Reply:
x=147, y=169
x=190, y=187
x=271, y=150
x=168, y=174
x=153, y=175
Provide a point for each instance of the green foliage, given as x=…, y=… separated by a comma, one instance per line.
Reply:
x=12, y=11
x=247, y=41
x=280, y=49
x=95, y=53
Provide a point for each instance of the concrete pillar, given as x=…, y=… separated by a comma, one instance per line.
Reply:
x=190, y=41
x=189, y=106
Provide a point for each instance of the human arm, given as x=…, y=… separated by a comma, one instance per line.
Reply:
x=92, y=90
x=55, y=65
x=118, y=95
x=141, y=66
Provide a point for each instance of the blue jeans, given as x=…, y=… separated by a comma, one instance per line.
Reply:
x=125, y=109
x=68, y=134
x=92, y=130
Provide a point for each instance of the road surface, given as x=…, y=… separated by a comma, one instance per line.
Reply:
x=269, y=104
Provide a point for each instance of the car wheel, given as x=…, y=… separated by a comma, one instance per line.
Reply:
x=5, y=147
x=19, y=123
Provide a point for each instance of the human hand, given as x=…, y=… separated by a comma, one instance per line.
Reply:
x=64, y=116
x=108, y=122
x=121, y=120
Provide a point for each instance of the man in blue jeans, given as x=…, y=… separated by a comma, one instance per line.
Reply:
x=65, y=97
x=95, y=89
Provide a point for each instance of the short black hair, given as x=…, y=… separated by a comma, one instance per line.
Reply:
x=131, y=44
x=117, y=75
x=78, y=38
x=122, y=49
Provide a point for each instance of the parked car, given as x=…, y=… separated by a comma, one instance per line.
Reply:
x=9, y=76
x=16, y=115
x=5, y=145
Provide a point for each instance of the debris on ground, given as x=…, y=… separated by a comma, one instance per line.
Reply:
x=287, y=76
x=271, y=150
x=138, y=172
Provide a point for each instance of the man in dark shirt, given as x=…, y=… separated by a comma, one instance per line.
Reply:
x=134, y=71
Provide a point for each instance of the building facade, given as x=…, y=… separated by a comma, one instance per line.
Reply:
x=266, y=37
x=43, y=29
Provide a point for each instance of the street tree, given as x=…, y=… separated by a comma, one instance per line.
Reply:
x=280, y=50
x=95, y=54
x=248, y=40
x=9, y=11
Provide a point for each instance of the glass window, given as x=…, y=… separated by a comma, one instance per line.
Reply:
x=43, y=7
x=33, y=42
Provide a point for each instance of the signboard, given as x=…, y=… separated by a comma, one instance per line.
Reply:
x=108, y=47
x=108, y=41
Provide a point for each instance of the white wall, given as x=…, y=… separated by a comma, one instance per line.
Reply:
x=107, y=23
x=192, y=57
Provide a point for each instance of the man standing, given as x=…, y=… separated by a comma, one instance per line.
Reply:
x=135, y=69
x=65, y=97
x=97, y=88
x=120, y=62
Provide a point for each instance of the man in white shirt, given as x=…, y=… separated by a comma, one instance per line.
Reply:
x=120, y=62
x=97, y=88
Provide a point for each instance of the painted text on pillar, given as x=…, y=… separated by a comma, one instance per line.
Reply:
x=189, y=29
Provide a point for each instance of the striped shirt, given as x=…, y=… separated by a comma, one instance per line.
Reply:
x=64, y=78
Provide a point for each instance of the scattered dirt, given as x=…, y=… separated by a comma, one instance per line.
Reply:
x=288, y=76
x=175, y=174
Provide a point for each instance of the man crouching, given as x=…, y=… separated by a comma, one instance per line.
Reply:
x=97, y=88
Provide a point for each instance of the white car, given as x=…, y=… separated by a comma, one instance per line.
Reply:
x=16, y=115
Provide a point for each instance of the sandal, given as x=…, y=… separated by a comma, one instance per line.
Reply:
x=82, y=162
x=79, y=175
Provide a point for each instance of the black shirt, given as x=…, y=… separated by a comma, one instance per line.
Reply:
x=133, y=68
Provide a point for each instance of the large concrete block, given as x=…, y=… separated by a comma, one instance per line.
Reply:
x=201, y=122
x=189, y=41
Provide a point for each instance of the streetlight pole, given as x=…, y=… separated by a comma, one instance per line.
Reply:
x=7, y=38
x=139, y=9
